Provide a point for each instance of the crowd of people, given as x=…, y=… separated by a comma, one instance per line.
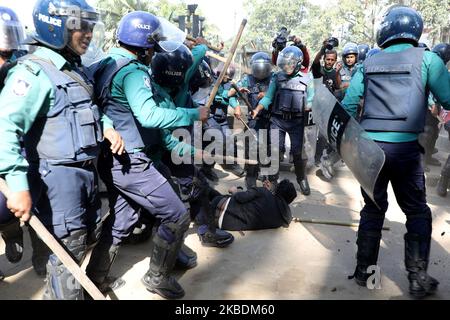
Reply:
x=64, y=125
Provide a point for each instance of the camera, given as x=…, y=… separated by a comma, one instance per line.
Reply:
x=331, y=43
x=280, y=41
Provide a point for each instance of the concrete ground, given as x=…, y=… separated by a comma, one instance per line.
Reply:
x=304, y=261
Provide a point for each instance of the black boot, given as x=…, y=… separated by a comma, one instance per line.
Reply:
x=209, y=173
x=367, y=255
x=102, y=258
x=40, y=255
x=12, y=234
x=417, y=252
x=158, y=279
x=235, y=169
x=251, y=175
x=186, y=259
x=442, y=186
x=300, y=172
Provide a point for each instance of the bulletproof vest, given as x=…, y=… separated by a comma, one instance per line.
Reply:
x=4, y=69
x=134, y=135
x=394, y=97
x=291, y=94
x=347, y=74
x=70, y=131
x=256, y=86
x=219, y=109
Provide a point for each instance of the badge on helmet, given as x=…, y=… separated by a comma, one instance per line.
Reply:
x=290, y=60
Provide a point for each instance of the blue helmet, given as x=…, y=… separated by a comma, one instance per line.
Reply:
x=144, y=30
x=362, y=52
x=399, y=22
x=261, y=65
x=137, y=29
x=372, y=52
x=11, y=31
x=169, y=68
x=290, y=60
x=350, y=48
x=55, y=19
x=202, y=78
x=443, y=51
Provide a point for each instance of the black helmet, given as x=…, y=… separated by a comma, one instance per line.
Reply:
x=290, y=60
x=261, y=65
x=169, y=68
x=443, y=51
x=362, y=52
x=399, y=22
x=202, y=77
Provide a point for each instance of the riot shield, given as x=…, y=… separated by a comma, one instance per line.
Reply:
x=361, y=154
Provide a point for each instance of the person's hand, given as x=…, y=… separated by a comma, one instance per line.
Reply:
x=345, y=85
x=117, y=143
x=261, y=95
x=19, y=203
x=338, y=66
x=434, y=110
x=221, y=45
x=256, y=111
x=267, y=184
x=203, y=114
x=201, y=40
x=244, y=90
x=237, y=112
x=233, y=190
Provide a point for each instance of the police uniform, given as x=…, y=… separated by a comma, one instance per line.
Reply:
x=48, y=100
x=395, y=106
x=255, y=87
x=290, y=95
x=124, y=90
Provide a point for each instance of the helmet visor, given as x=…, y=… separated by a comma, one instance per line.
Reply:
x=287, y=63
x=168, y=36
x=261, y=69
x=12, y=35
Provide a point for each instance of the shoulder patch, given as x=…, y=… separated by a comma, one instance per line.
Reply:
x=21, y=87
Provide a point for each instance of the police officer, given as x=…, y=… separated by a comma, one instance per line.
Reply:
x=218, y=120
x=347, y=67
x=11, y=36
x=255, y=86
x=169, y=70
x=395, y=105
x=47, y=99
x=443, y=51
x=291, y=92
x=123, y=87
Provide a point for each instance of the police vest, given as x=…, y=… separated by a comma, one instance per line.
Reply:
x=347, y=74
x=394, y=97
x=219, y=107
x=70, y=131
x=256, y=86
x=291, y=94
x=134, y=135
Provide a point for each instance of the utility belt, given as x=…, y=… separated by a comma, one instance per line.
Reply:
x=288, y=115
x=82, y=164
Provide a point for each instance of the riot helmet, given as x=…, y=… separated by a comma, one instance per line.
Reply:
x=169, y=68
x=372, y=52
x=399, y=22
x=202, y=77
x=55, y=20
x=230, y=71
x=261, y=65
x=443, y=51
x=290, y=60
x=11, y=30
x=362, y=52
x=350, y=48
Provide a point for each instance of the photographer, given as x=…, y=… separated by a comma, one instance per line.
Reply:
x=331, y=77
x=279, y=43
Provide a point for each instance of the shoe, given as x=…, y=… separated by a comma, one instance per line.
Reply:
x=304, y=187
x=219, y=238
x=12, y=234
x=235, y=169
x=186, y=259
x=442, y=186
x=210, y=174
x=435, y=150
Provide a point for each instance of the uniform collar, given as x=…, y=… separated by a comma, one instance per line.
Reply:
x=398, y=47
x=58, y=60
x=123, y=52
